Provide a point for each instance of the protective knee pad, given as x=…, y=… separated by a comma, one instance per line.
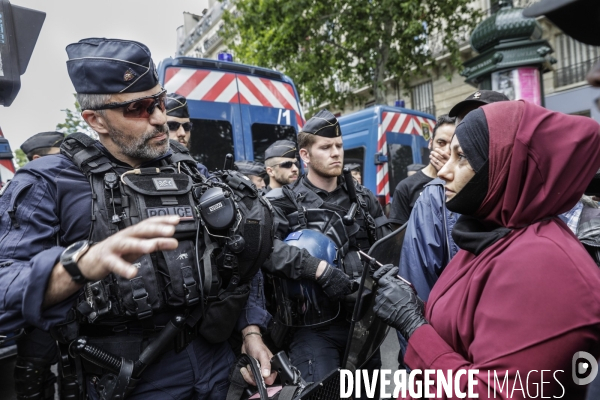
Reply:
x=33, y=379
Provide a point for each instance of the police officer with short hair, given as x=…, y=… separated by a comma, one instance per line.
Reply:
x=42, y=144
x=316, y=202
x=179, y=123
x=281, y=164
x=82, y=218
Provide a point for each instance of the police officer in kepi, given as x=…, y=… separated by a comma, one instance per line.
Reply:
x=36, y=349
x=254, y=170
x=140, y=306
x=320, y=266
x=281, y=163
x=42, y=144
x=179, y=123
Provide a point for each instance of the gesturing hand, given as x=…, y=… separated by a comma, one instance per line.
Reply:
x=438, y=158
x=116, y=253
x=398, y=305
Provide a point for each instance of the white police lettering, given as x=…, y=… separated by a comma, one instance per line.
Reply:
x=164, y=184
x=215, y=207
x=184, y=212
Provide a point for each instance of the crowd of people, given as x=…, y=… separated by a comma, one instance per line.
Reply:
x=145, y=276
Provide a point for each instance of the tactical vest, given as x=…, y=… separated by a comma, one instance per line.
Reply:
x=225, y=234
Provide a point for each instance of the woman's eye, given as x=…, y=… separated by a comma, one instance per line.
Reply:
x=461, y=157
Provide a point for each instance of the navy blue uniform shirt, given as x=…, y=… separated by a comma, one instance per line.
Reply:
x=44, y=209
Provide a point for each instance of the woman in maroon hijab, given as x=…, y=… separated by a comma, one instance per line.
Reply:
x=522, y=296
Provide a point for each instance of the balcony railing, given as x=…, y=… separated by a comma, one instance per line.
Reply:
x=573, y=73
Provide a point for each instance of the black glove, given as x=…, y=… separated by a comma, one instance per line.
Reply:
x=335, y=283
x=398, y=305
x=382, y=271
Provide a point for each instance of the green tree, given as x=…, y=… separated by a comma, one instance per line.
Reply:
x=75, y=123
x=21, y=158
x=331, y=47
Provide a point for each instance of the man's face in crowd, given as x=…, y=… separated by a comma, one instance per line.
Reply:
x=179, y=134
x=133, y=140
x=282, y=170
x=457, y=172
x=258, y=181
x=441, y=143
x=325, y=157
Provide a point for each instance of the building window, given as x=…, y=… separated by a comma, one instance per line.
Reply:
x=422, y=98
x=574, y=60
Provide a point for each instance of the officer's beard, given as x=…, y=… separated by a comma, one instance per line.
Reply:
x=139, y=147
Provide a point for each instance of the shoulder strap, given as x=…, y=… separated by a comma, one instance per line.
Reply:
x=364, y=207
x=81, y=149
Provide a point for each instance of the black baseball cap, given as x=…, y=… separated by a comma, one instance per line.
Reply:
x=479, y=98
x=579, y=19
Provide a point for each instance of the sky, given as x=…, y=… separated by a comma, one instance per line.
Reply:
x=46, y=88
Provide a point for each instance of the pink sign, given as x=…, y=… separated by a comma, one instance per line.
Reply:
x=520, y=83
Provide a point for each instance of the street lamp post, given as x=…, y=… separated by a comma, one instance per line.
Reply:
x=512, y=56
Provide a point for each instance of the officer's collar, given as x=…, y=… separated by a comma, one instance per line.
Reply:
x=340, y=183
x=113, y=159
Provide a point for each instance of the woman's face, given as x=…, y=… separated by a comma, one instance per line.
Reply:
x=457, y=171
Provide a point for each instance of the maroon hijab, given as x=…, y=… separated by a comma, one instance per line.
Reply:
x=540, y=162
x=530, y=300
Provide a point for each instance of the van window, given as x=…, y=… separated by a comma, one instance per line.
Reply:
x=210, y=141
x=264, y=135
x=400, y=156
x=356, y=155
x=425, y=155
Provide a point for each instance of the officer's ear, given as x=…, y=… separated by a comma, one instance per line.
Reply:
x=270, y=171
x=96, y=121
x=305, y=155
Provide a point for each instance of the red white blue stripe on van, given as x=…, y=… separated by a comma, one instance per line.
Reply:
x=397, y=123
x=224, y=87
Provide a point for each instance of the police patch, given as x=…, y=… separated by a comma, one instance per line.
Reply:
x=164, y=184
x=184, y=212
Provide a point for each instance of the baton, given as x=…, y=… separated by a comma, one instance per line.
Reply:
x=362, y=254
x=348, y=219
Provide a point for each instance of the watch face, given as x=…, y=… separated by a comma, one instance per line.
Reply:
x=74, y=249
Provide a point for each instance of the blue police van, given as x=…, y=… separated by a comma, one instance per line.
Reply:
x=234, y=108
x=384, y=140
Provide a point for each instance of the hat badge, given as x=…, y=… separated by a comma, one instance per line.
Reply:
x=477, y=95
x=129, y=75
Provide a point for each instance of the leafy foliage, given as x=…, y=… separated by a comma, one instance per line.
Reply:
x=21, y=158
x=331, y=47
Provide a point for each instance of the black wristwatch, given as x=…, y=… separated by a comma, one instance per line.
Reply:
x=69, y=259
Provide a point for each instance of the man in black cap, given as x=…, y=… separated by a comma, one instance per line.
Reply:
x=254, y=170
x=316, y=201
x=84, y=218
x=281, y=164
x=179, y=123
x=42, y=144
x=473, y=101
x=409, y=189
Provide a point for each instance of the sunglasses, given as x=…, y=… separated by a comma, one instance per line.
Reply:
x=174, y=126
x=288, y=164
x=139, y=108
